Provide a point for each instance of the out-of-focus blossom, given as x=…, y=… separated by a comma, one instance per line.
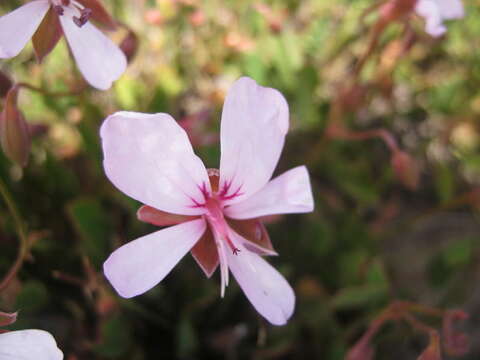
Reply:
x=238, y=42
x=197, y=127
x=197, y=18
x=100, y=61
x=29, y=345
x=436, y=12
x=214, y=212
x=129, y=45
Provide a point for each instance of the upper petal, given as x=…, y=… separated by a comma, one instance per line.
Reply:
x=265, y=287
x=149, y=158
x=141, y=264
x=288, y=193
x=253, y=129
x=29, y=345
x=17, y=27
x=100, y=61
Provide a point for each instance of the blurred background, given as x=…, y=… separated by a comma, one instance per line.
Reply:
x=384, y=116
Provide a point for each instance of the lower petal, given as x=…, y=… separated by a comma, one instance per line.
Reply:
x=264, y=286
x=29, y=344
x=17, y=27
x=100, y=61
x=141, y=264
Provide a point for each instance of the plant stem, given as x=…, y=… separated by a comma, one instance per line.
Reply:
x=21, y=233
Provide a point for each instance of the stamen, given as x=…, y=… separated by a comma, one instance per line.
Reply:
x=59, y=10
x=235, y=250
x=223, y=264
x=77, y=4
x=66, y=2
x=85, y=15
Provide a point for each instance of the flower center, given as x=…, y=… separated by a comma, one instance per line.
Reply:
x=215, y=218
x=82, y=14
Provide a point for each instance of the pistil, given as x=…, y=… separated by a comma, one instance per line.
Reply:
x=216, y=219
x=82, y=16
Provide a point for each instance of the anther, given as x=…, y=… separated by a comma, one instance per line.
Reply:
x=84, y=17
x=58, y=9
x=232, y=246
x=65, y=2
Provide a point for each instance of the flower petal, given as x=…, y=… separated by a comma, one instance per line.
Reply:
x=156, y=217
x=205, y=253
x=288, y=193
x=431, y=11
x=265, y=287
x=141, y=264
x=450, y=9
x=29, y=345
x=253, y=129
x=100, y=61
x=17, y=27
x=149, y=158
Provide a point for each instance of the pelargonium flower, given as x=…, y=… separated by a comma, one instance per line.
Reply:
x=436, y=11
x=215, y=213
x=29, y=345
x=100, y=61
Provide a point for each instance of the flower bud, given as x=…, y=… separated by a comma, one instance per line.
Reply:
x=432, y=352
x=362, y=350
x=5, y=84
x=14, y=133
x=129, y=45
x=405, y=169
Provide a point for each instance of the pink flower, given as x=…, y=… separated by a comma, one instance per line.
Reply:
x=29, y=345
x=100, y=61
x=436, y=11
x=149, y=158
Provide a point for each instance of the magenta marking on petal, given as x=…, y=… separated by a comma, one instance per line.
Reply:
x=226, y=188
x=206, y=196
x=196, y=204
x=205, y=192
x=234, y=195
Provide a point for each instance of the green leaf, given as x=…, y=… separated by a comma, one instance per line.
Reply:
x=94, y=227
